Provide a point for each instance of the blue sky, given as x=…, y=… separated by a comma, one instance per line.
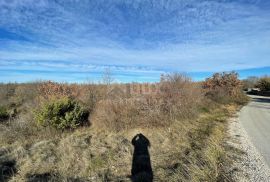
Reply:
x=76, y=40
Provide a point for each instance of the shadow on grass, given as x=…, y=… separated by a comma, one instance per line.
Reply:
x=52, y=177
x=7, y=170
x=141, y=164
x=42, y=177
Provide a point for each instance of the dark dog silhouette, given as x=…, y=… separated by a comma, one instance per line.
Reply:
x=141, y=164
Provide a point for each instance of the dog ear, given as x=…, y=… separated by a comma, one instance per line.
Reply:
x=146, y=141
x=134, y=139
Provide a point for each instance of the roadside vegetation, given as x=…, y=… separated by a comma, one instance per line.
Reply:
x=82, y=132
x=264, y=84
x=257, y=86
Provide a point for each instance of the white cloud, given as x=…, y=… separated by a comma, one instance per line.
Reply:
x=183, y=35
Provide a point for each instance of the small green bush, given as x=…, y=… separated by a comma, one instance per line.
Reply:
x=3, y=113
x=62, y=114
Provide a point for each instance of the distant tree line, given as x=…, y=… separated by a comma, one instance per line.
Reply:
x=262, y=83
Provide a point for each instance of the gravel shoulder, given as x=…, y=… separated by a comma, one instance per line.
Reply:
x=255, y=119
x=249, y=165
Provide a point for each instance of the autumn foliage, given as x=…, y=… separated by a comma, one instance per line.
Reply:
x=224, y=87
x=48, y=90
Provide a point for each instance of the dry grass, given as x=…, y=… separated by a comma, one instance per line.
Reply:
x=119, y=115
x=187, y=150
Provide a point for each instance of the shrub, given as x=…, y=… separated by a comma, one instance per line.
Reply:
x=90, y=95
x=224, y=88
x=61, y=113
x=52, y=90
x=250, y=82
x=180, y=96
x=264, y=84
x=3, y=113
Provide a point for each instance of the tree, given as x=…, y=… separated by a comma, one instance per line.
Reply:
x=107, y=77
x=264, y=84
x=224, y=88
x=228, y=82
x=250, y=82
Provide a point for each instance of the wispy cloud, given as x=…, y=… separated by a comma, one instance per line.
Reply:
x=137, y=39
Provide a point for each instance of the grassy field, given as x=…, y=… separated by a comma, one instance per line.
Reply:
x=185, y=123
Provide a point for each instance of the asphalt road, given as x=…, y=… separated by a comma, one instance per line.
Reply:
x=255, y=118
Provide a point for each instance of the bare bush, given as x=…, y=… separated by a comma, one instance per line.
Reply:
x=250, y=82
x=179, y=95
x=6, y=91
x=107, y=78
x=178, y=98
x=120, y=115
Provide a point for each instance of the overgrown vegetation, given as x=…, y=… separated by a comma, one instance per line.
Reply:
x=185, y=122
x=264, y=84
x=250, y=82
x=178, y=97
x=257, y=86
x=225, y=88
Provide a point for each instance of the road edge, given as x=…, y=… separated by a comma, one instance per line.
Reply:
x=248, y=163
